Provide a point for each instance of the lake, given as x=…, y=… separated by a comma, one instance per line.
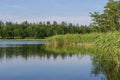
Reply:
x=32, y=60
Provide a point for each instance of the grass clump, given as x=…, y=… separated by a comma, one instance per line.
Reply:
x=106, y=41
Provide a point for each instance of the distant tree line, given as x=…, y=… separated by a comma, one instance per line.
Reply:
x=108, y=21
x=9, y=30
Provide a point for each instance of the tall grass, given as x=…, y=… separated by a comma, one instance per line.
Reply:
x=106, y=41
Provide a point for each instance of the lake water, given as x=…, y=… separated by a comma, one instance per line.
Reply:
x=31, y=60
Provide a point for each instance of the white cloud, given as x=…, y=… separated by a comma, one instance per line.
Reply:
x=82, y=20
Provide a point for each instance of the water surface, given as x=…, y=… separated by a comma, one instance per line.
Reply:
x=31, y=60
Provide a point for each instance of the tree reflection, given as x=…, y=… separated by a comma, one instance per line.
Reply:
x=27, y=51
x=106, y=63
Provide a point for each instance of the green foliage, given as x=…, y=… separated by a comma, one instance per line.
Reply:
x=40, y=30
x=105, y=41
x=110, y=19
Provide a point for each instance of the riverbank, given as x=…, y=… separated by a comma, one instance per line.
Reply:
x=106, y=41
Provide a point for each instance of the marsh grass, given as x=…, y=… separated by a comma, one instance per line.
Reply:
x=109, y=41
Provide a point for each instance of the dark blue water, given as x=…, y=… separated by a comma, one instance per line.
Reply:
x=29, y=60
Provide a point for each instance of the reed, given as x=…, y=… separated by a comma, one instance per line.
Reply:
x=106, y=41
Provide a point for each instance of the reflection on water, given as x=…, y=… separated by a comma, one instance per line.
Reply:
x=26, y=51
x=103, y=62
x=39, y=62
x=109, y=65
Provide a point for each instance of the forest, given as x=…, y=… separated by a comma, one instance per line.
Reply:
x=108, y=21
x=40, y=30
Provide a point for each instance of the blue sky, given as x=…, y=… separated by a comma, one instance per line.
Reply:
x=74, y=11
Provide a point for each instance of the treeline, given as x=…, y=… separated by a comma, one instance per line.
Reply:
x=9, y=30
x=109, y=20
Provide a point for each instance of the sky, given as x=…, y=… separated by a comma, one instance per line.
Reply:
x=70, y=11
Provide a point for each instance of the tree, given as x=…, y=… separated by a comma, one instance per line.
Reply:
x=1, y=28
x=110, y=19
x=24, y=30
